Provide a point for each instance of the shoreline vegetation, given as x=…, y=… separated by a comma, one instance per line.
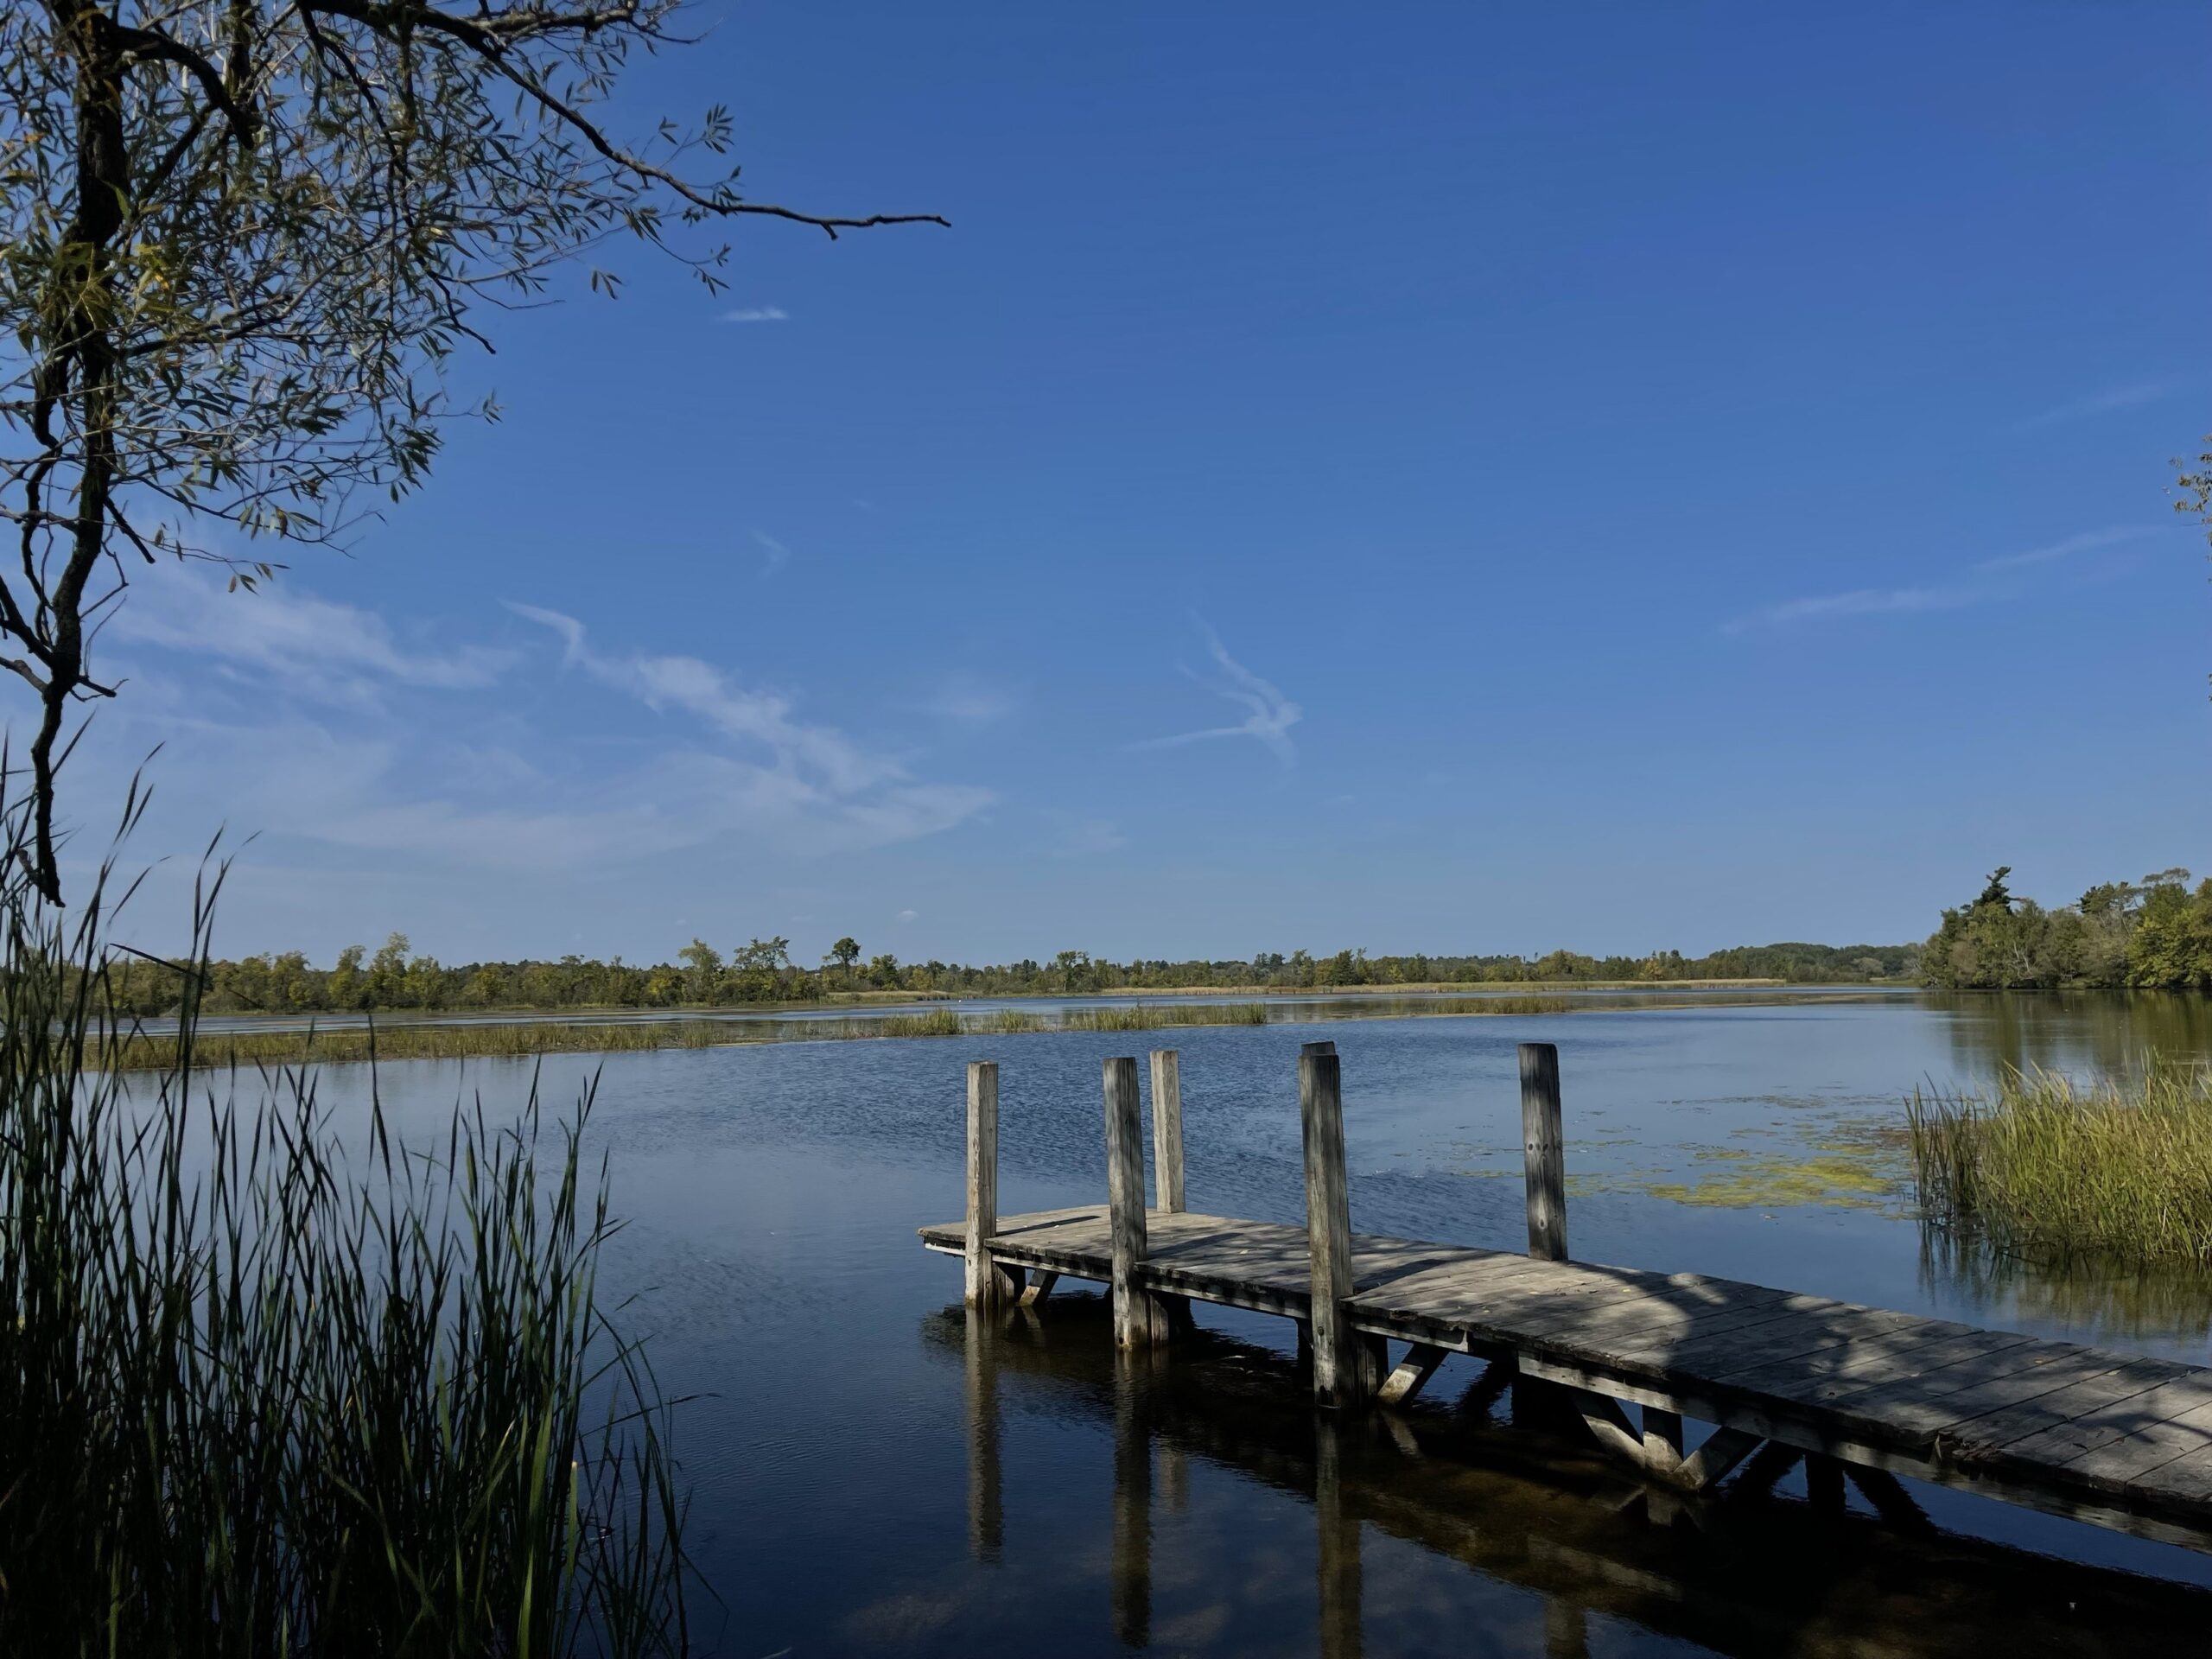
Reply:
x=762, y=974
x=268, y=1388
x=138, y=1049
x=2058, y=1173
x=2155, y=934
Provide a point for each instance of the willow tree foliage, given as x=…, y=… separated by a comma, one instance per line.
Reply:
x=240, y=241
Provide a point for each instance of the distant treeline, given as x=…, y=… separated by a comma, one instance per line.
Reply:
x=763, y=971
x=2155, y=933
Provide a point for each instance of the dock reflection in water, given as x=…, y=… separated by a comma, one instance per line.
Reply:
x=1497, y=1497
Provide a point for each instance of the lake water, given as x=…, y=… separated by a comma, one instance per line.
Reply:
x=875, y=1472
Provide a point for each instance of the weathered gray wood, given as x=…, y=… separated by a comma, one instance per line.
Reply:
x=2117, y=1465
x=1412, y=1374
x=2099, y=1397
x=987, y=1286
x=1544, y=1149
x=1791, y=1335
x=2072, y=1443
x=1040, y=1286
x=1139, y=1322
x=1709, y=1465
x=1340, y=1378
x=2183, y=1482
x=1167, y=1128
x=1831, y=1373
x=1609, y=1425
x=2119, y=1441
x=1929, y=1405
x=1571, y=1306
x=1662, y=1439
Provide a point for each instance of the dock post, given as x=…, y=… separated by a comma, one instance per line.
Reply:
x=1342, y=1363
x=1544, y=1150
x=1139, y=1321
x=1167, y=1128
x=988, y=1284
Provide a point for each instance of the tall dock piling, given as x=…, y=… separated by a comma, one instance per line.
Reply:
x=1544, y=1150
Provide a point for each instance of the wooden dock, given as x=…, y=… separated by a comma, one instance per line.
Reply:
x=2118, y=1441
x=1750, y=1580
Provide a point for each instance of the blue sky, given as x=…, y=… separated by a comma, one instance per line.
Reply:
x=1426, y=478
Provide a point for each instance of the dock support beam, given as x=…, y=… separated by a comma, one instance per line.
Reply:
x=1344, y=1365
x=989, y=1285
x=1709, y=1465
x=1167, y=1128
x=1139, y=1320
x=1662, y=1440
x=1412, y=1374
x=1545, y=1151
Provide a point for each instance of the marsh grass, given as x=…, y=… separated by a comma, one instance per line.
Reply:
x=1153, y=1017
x=134, y=1049
x=264, y=1394
x=2119, y=1172
x=1505, y=1004
x=138, y=1051
x=937, y=1022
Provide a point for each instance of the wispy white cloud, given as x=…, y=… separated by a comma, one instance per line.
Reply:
x=1270, y=714
x=316, y=648
x=864, y=796
x=1860, y=601
x=2087, y=542
x=1981, y=585
x=910, y=915
x=778, y=555
x=2132, y=394
x=757, y=313
x=437, y=791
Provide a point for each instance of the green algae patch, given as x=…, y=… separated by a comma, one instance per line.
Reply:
x=1751, y=1181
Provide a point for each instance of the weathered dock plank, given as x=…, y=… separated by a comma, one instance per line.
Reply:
x=2122, y=1441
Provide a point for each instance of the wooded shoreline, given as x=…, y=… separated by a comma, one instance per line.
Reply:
x=422, y=1039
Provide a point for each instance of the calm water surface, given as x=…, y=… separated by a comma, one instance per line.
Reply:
x=875, y=1472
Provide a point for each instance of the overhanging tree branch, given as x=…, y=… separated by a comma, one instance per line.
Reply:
x=240, y=243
